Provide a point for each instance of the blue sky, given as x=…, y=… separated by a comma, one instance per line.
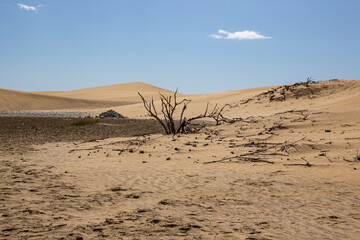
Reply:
x=196, y=45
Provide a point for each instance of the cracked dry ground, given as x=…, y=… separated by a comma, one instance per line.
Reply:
x=191, y=186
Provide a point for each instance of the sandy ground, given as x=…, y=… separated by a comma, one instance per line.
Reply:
x=287, y=170
x=18, y=134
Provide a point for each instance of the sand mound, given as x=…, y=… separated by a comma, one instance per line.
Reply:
x=127, y=92
x=302, y=90
x=339, y=94
x=83, y=99
x=17, y=100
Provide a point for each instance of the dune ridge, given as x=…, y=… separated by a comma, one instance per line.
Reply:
x=126, y=92
x=338, y=94
x=82, y=99
x=18, y=100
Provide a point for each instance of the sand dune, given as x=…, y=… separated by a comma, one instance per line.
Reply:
x=17, y=100
x=340, y=94
x=124, y=98
x=288, y=169
x=82, y=99
x=127, y=92
x=101, y=98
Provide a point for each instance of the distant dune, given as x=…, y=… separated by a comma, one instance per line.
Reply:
x=339, y=95
x=127, y=92
x=89, y=98
x=17, y=100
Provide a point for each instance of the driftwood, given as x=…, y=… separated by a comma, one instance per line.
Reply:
x=291, y=111
x=85, y=149
x=244, y=156
x=271, y=129
x=307, y=164
x=298, y=164
x=255, y=144
x=246, y=159
x=263, y=151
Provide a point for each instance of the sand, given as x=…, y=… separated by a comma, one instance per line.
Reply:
x=18, y=100
x=287, y=170
x=126, y=92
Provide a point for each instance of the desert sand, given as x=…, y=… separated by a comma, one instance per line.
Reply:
x=287, y=168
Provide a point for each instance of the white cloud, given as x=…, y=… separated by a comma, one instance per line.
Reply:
x=216, y=36
x=29, y=8
x=244, y=35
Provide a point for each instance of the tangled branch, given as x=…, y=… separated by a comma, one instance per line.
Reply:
x=169, y=104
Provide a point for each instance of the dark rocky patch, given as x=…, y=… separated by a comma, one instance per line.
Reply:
x=111, y=114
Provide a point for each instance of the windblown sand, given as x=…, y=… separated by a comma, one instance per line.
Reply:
x=286, y=170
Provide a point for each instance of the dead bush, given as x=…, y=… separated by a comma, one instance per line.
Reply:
x=169, y=105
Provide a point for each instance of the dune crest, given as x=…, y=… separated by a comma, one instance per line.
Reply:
x=82, y=99
x=126, y=92
x=18, y=100
x=336, y=94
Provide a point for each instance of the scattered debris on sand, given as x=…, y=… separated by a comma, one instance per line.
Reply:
x=283, y=168
x=309, y=89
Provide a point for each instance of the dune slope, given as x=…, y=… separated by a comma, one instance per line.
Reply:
x=17, y=100
x=337, y=95
x=83, y=99
x=127, y=92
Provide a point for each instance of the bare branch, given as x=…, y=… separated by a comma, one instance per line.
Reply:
x=150, y=108
x=169, y=104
